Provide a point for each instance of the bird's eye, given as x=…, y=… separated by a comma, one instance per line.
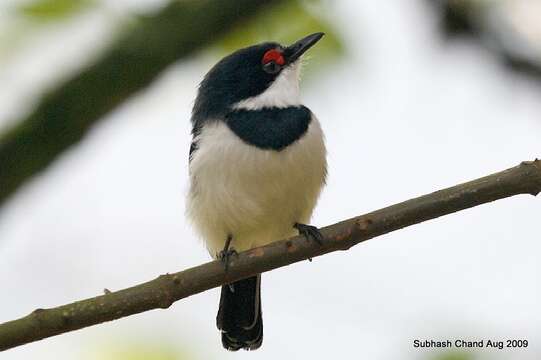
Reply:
x=272, y=61
x=271, y=67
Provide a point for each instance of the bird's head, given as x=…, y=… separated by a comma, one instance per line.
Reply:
x=263, y=75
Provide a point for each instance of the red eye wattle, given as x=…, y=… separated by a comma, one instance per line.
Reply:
x=273, y=55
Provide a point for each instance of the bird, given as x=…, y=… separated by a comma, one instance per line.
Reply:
x=257, y=166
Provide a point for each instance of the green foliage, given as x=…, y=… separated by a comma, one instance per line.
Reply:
x=285, y=24
x=10, y=37
x=29, y=17
x=67, y=112
x=455, y=355
x=50, y=10
x=140, y=351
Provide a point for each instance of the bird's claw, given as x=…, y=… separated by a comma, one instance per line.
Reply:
x=310, y=232
x=225, y=257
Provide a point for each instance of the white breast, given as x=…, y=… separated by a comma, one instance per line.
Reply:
x=255, y=195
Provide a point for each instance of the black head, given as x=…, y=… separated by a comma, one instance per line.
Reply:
x=244, y=74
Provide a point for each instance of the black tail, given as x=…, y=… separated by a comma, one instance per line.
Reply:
x=239, y=316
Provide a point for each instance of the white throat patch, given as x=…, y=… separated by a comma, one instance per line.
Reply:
x=283, y=92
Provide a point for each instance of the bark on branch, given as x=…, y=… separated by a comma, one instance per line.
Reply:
x=132, y=62
x=166, y=289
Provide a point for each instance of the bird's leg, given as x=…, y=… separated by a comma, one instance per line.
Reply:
x=225, y=254
x=310, y=232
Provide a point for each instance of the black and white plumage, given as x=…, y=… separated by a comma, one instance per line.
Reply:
x=257, y=167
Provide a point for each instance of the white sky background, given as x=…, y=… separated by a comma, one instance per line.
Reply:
x=404, y=114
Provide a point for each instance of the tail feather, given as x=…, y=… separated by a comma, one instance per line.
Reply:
x=239, y=316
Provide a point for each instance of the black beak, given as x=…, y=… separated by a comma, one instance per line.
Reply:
x=294, y=51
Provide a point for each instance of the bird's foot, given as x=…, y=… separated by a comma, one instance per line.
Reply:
x=310, y=232
x=225, y=257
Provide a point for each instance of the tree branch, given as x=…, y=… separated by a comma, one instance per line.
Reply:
x=166, y=289
x=67, y=113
